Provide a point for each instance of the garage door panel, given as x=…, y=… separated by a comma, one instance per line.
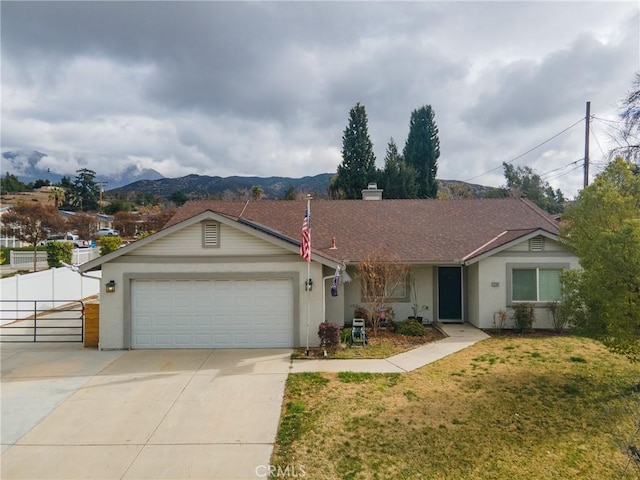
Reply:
x=249, y=313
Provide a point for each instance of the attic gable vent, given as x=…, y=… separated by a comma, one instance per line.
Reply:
x=536, y=244
x=210, y=235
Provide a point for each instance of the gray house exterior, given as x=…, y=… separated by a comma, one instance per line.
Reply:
x=229, y=275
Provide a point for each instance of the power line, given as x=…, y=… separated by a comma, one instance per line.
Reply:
x=528, y=151
x=561, y=168
x=597, y=142
x=606, y=119
x=565, y=173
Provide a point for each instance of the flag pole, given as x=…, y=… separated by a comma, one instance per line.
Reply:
x=307, y=283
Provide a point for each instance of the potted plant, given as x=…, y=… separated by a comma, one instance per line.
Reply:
x=415, y=306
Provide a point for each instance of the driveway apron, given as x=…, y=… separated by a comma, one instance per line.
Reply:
x=153, y=414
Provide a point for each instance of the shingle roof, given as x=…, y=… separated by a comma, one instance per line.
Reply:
x=417, y=231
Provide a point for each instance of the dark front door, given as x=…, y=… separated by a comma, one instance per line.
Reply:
x=450, y=294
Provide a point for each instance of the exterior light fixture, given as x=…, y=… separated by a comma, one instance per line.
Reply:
x=111, y=286
x=308, y=285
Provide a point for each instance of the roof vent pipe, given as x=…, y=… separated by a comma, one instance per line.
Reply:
x=333, y=244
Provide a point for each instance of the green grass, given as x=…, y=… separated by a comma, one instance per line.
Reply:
x=507, y=408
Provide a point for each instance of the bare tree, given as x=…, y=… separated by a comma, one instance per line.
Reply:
x=32, y=223
x=83, y=224
x=628, y=137
x=125, y=223
x=380, y=274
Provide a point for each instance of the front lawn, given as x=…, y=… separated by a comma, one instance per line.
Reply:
x=506, y=408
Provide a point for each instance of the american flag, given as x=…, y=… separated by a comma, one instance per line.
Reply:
x=305, y=245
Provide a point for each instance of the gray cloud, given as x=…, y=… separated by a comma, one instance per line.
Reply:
x=250, y=88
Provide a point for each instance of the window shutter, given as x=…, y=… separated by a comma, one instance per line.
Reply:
x=210, y=234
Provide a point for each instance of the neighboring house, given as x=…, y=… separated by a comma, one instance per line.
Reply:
x=227, y=274
x=102, y=220
x=7, y=240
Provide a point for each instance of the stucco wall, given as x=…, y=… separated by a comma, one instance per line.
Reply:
x=488, y=280
x=172, y=259
x=402, y=309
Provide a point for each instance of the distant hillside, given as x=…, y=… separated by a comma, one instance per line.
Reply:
x=199, y=186
x=202, y=186
x=29, y=167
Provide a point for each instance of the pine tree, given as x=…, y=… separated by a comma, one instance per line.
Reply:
x=422, y=149
x=358, y=165
x=398, y=180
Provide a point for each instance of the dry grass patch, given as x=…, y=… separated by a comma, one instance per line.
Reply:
x=516, y=408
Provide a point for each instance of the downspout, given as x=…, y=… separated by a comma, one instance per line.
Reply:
x=324, y=299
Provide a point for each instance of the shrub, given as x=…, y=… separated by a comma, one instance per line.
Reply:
x=558, y=316
x=345, y=336
x=58, y=252
x=109, y=244
x=329, y=334
x=524, y=316
x=410, y=327
x=500, y=320
x=361, y=312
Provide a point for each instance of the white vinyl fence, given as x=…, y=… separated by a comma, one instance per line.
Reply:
x=47, y=286
x=24, y=260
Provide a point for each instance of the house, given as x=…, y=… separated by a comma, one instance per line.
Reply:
x=102, y=220
x=228, y=274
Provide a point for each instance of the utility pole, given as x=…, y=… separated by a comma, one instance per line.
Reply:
x=587, y=121
x=102, y=184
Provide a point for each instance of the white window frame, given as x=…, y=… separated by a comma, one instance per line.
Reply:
x=530, y=266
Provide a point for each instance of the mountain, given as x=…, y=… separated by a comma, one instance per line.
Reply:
x=202, y=186
x=198, y=186
x=28, y=167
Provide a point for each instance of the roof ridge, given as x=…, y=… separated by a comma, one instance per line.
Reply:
x=538, y=211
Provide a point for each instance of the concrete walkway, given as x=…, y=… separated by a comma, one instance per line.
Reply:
x=459, y=336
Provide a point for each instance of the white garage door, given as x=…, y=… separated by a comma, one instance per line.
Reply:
x=253, y=313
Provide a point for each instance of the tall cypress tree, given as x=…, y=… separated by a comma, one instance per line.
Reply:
x=397, y=179
x=358, y=165
x=422, y=149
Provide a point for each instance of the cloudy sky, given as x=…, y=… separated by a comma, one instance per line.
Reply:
x=265, y=88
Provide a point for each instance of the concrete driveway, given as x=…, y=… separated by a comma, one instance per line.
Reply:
x=72, y=413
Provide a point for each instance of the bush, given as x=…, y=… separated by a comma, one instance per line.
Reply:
x=329, y=334
x=58, y=252
x=524, y=316
x=411, y=327
x=361, y=312
x=345, y=336
x=109, y=244
x=558, y=316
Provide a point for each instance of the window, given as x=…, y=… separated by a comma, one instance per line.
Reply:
x=210, y=235
x=376, y=289
x=535, y=284
x=400, y=292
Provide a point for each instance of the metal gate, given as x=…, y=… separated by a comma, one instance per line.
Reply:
x=41, y=321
